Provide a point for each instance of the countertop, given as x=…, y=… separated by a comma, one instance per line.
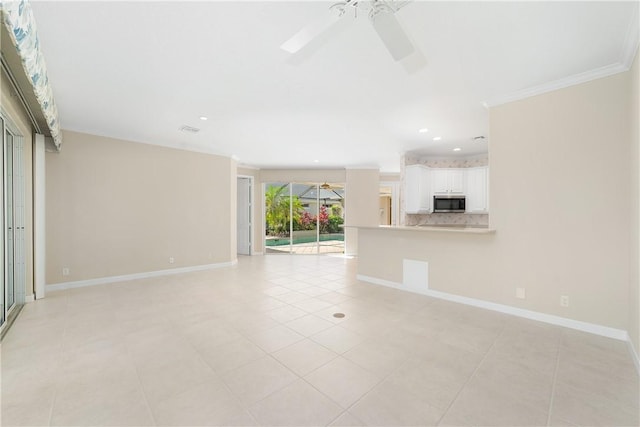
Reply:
x=469, y=229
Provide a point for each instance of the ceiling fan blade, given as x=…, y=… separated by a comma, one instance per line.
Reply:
x=311, y=31
x=392, y=35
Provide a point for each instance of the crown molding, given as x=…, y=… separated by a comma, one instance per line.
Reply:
x=573, y=80
x=632, y=39
x=627, y=55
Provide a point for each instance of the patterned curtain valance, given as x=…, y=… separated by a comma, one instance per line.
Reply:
x=21, y=25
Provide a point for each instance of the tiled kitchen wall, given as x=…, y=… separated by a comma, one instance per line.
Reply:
x=466, y=162
x=447, y=219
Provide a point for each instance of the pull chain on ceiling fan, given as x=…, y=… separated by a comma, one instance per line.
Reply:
x=381, y=14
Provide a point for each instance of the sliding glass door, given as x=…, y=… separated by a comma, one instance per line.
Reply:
x=277, y=212
x=304, y=217
x=331, y=218
x=12, y=251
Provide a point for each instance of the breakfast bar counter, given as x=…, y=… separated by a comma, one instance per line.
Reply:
x=446, y=258
x=448, y=228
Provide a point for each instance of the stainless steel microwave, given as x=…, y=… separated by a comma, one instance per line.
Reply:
x=448, y=203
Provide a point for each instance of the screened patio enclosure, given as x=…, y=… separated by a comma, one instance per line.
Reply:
x=304, y=218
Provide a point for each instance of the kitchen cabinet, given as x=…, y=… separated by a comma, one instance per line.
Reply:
x=417, y=189
x=477, y=183
x=448, y=181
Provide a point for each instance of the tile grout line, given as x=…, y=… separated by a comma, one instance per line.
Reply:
x=144, y=393
x=217, y=376
x=57, y=386
x=382, y=379
x=473, y=374
x=553, y=384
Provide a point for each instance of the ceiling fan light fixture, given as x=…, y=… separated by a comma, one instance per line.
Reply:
x=391, y=33
x=381, y=15
x=314, y=29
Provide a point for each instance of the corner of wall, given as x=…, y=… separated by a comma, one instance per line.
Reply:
x=634, y=281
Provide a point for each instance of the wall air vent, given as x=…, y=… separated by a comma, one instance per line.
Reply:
x=189, y=129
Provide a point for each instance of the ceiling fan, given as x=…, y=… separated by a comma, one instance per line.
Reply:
x=381, y=13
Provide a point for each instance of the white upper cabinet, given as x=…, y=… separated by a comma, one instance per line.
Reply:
x=477, y=197
x=417, y=189
x=448, y=181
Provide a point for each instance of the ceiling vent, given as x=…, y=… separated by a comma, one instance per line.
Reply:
x=189, y=129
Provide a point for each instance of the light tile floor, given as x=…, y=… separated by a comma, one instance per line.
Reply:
x=257, y=344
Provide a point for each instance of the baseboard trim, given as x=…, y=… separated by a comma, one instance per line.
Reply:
x=145, y=275
x=592, y=328
x=634, y=355
x=29, y=298
x=376, y=281
x=257, y=253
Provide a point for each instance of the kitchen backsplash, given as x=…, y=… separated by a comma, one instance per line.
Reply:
x=466, y=162
x=447, y=219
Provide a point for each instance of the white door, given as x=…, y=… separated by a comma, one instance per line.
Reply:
x=244, y=216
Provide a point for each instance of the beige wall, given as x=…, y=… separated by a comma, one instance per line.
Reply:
x=115, y=207
x=389, y=177
x=560, y=199
x=362, y=207
x=634, y=288
x=14, y=111
x=560, y=204
x=303, y=175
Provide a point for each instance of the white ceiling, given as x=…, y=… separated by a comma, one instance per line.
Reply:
x=140, y=70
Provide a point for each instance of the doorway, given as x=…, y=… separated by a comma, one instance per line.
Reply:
x=244, y=223
x=304, y=217
x=389, y=203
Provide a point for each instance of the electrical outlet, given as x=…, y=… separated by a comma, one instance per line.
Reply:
x=171, y=260
x=65, y=271
x=564, y=301
x=521, y=293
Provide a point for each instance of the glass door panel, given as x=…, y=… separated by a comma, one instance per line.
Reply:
x=3, y=231
x=331, y=218
x=9, y=222
x=277, y=200
x=12, y=224
x=305, y=218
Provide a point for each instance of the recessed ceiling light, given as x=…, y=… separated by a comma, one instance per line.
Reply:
x=437, y=138
x=423, y=130
x=457, y=149
x=316, y=161
x=204, y=118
